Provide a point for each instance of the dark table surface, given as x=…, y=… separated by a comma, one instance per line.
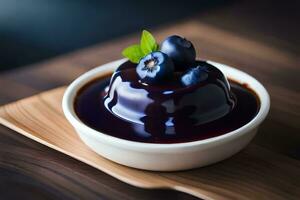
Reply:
x=29, y=170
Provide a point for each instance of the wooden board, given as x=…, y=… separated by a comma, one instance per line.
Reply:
x=255, y=173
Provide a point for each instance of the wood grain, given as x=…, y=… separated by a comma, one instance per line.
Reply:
x=253, y=173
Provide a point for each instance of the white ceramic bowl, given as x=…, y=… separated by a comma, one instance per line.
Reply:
x=166, y=157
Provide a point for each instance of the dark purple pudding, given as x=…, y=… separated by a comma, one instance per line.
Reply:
x=170, y=102
x=169, y=112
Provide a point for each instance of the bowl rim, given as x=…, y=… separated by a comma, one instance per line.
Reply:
x=79, y=82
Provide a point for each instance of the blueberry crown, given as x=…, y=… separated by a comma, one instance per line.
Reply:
x=157, y=64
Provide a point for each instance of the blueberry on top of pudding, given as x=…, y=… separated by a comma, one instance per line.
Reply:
x=155, y=68
x=162, y=94
x=180, y=50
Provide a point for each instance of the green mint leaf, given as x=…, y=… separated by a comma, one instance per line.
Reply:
x=133, y=53
x=148, y=43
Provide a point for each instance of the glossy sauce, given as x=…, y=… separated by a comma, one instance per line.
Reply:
x=169, y=102
x=154, y=124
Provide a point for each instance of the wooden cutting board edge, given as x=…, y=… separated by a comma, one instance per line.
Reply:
x=193, y=182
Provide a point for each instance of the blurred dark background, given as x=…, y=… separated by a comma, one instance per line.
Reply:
x=33, y=30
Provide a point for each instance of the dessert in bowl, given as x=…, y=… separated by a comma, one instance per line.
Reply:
x=165, y=110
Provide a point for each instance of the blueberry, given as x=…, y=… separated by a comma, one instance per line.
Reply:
x=194, y=76
x=180, y=50
x=154, y=68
